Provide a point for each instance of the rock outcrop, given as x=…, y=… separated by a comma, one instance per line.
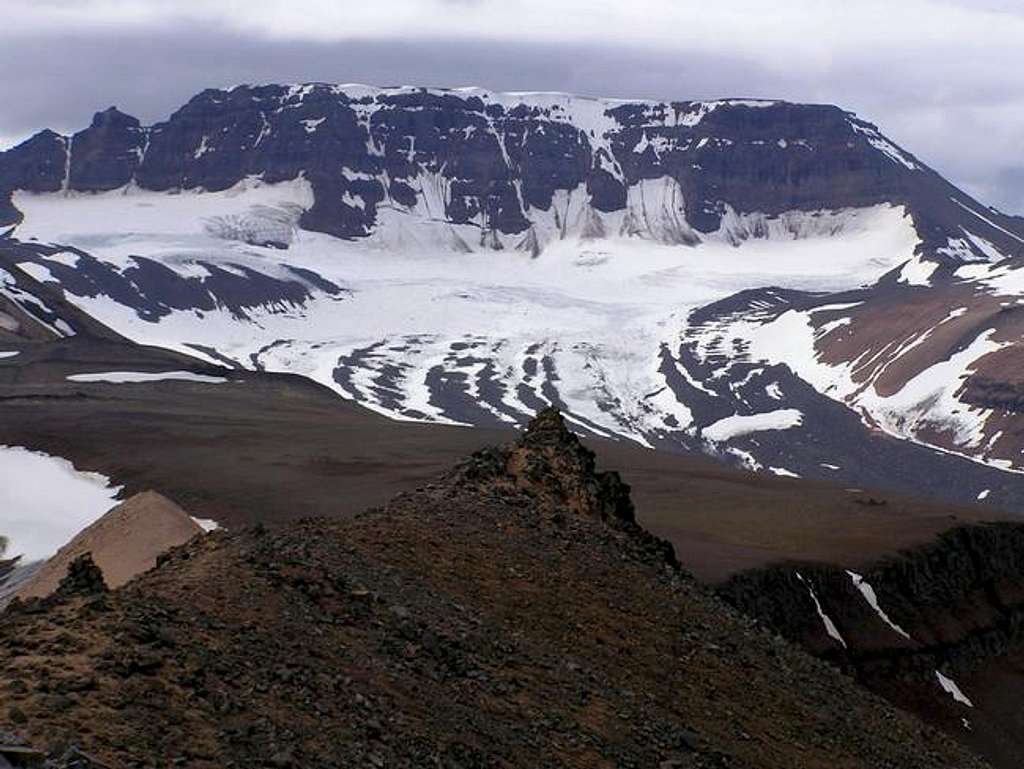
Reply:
x=549, y=461
x=954, y=607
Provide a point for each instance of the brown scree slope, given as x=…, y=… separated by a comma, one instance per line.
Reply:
x=509, y=614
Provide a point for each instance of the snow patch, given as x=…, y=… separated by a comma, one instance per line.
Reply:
x=830, y=626
x=918, y=272
x=743, y=424
x=869, y=595
x=954, y=691
x=45, y=501
x=311, y=124
x=131, y=377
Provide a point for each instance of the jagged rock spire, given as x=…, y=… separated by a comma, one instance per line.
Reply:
x=549, y=461
x=84, y=577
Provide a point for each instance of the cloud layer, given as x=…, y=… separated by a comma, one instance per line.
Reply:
x=937, y=75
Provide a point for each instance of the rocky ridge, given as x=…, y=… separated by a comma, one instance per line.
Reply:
x=509, y=614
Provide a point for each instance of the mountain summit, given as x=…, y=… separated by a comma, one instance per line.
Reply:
x=485, y=169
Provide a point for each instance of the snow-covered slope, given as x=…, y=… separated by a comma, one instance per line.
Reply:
x=46, y=501
x=441, y=335
x=717, y=275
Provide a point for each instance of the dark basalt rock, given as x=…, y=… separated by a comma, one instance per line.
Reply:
x=105, y=155
x=992, y=393
x=959, y=600
x=500, y=162
x=84, y=578
x=549, y=461
x=36, y=164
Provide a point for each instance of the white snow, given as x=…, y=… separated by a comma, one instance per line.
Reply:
x=10, y=289
x=598, y=310
x=206, y=524
x=918, y=272
x=983, y=494
x=743, y=424
x=45, y=501
x=129, y=377
x=782, y=471
x=8, y=353
x=950, y=687
x=883, y=145
x=869, y=595
x=927, y=403
x=830, y=626
x=745, y=457
x=203, y=148
x=1004, y=279
x=311, y=124
x=38, y=271
x=987, y=221
x=66, y=258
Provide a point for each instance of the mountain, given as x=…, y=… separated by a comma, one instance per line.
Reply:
x=510, y=613
x=776, y=284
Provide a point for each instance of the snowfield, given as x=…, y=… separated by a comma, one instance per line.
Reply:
x=45, y=501
x=584, y=321
x=730, y=427
x=427, y=321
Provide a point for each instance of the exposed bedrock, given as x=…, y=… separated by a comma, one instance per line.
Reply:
x=503, y=162
x=949, y=611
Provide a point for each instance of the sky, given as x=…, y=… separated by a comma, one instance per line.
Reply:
x=943, y=78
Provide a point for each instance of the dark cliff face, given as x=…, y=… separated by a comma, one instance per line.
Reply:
x=499, y=159
x=955, y=606
x=106, y=154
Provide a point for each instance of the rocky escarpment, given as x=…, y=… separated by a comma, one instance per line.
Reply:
x=950, y=611
x=520, y=168
x=550, y=462
x=508, y=614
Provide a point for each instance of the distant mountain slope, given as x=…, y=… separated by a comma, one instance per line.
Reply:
x=483, y=169
x=764, y=281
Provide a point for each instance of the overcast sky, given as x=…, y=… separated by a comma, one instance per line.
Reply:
x=944, y=78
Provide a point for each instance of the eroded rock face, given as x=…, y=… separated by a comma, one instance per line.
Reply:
x=550, y=462
x=955, y=606
x=84, y=577
x=105, y=155
x=499, y=161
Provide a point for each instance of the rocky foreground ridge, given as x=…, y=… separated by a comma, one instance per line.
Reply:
x=511, y=613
